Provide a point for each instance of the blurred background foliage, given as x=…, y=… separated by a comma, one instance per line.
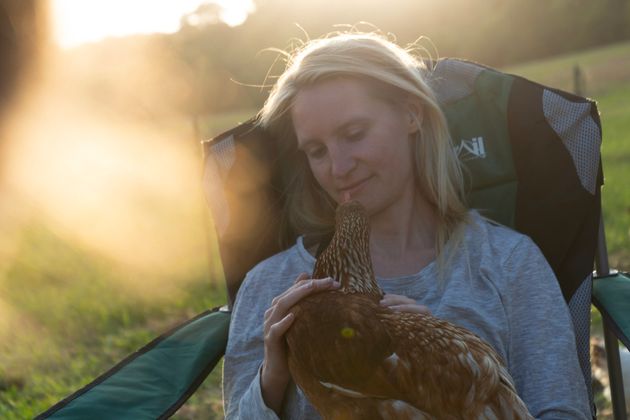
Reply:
x=203, y=68
x=200, y=64
x=105, y=240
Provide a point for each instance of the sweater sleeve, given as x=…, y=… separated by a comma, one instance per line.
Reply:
x=541, y=350
x=242, y=397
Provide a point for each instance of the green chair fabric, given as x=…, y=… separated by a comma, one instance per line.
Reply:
x=156, y=380
x=611, y=296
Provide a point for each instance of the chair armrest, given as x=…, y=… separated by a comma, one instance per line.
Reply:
x=611, y=296
x=157, y=379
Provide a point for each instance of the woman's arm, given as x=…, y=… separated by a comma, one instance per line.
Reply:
x=542, y=352
x=256, y=372
x=275, y=374
x=242, y=397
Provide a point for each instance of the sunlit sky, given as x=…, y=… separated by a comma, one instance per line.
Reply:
x=80, y=21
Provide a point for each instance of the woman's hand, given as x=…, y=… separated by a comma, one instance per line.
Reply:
x=399, y=303
x=275, y=370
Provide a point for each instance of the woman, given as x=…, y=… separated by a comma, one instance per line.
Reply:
x=361, y=111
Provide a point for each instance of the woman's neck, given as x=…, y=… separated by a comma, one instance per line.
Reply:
x=403, y=237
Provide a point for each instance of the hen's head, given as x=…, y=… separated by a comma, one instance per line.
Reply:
x=347, y=257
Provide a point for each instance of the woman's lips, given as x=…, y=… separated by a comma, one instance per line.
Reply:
x=353, y=188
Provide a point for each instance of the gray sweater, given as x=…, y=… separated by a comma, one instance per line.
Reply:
x=499, y=286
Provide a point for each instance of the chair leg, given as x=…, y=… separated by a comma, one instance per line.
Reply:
x=615, y=374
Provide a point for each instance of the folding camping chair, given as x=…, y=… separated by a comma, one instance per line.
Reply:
x=533, y=163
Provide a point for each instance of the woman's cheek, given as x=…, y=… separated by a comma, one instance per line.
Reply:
x=319, y=173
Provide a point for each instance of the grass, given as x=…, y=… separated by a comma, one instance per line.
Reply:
x=615, y=110
x=67, y=313
x=603, y=69
x=77, y=318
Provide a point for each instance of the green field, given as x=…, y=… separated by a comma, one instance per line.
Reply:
x=66, y=315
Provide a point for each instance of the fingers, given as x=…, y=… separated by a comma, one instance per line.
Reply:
x=277, y=330
x=399, y=303
x=302, y=276
x=278, y=320
x=391, y=300
x=417, y=309
x=299, y=281
x=302, y=288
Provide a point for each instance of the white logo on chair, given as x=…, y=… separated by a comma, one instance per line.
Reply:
x=471, y=149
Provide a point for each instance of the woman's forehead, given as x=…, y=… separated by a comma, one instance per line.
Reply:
x=331, y=104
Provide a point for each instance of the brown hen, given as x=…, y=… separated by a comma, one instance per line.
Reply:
x=355, y=359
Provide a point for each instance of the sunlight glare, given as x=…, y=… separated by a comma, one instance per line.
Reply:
x=81, y=21
x=125, y=190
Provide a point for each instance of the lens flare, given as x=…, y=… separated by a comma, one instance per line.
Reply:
x=81, y=21
x=126, y=188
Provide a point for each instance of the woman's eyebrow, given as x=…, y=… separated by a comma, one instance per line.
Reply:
x=351, y=122
x=338, y=130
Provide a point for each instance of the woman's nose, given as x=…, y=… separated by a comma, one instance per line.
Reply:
x=342, y=163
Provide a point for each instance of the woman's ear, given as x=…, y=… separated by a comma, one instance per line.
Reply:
x=414, y=115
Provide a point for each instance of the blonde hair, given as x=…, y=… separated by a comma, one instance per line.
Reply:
x=392, y=73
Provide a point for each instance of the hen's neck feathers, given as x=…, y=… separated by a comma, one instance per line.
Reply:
x=347, y=257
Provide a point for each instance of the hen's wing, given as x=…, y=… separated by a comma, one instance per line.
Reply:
x=447, y=370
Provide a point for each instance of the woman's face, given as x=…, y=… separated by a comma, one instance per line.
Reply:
x=356, y=145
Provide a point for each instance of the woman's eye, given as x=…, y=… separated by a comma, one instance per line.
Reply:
x=355, y=136
x=316, y=152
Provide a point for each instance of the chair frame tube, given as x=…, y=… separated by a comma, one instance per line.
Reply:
x=610, y=339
